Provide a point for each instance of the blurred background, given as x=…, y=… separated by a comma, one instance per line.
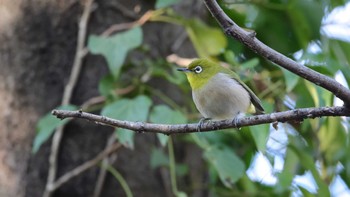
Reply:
x=128, y=71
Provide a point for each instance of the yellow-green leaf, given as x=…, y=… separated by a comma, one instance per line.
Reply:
x=208, y=41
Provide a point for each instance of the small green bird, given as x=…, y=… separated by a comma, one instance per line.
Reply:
x=217, y=92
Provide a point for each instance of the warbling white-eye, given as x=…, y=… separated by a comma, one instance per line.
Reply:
x=217, y=92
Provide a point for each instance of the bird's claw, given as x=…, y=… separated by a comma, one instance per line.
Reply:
x=235, y=120
x=200, y=123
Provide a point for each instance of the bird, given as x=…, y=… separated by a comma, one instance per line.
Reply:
x=218, y=93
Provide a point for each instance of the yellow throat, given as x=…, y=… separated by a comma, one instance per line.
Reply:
x=200, y=71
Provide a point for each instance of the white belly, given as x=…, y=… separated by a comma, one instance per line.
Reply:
x=221, y=98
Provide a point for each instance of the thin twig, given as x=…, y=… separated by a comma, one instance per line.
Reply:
x=124, y=10
x=101, y=99
x=291, y=115
x=172, y=168
x=92, y=101
x=102, y=174
x=83, y=167
x=179, y=40
x=80, y=53
x=118, y=27
x=121, y=180
x=249, y=39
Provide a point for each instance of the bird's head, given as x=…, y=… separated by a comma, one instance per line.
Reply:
x=200, y=71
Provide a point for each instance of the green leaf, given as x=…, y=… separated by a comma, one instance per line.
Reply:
x=313, y=91
x=345, y=174
x=165, y=3
x=340, y=51
x=332, y=139
x=181, y=194
x=181, y=170
x=291, y=79
x=208, y=41
x=135, y=109
x=158, y=158
x=230, y=167
x=116, y=47
x=275, y=35
x=118, y=176
x=320, y=96
x=306, y=193
x=174, y=77
x=305, y=18
x=106, y=85
x=260, y=135
x=163, y=114
x=306, y=100
x=158, y=67
x=308, y=163
x=128, y=109
x=250, y=63
x=163, y=139
x=46, y=126
x=125, y=137
x=285, y=178
x=336, y=3
x=230, y=57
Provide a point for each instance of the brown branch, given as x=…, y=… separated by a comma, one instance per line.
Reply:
x=249, y=39
x=291, y=115
x=83, y=167
x=67, y=94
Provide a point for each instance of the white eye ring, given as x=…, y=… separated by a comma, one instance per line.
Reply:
x=198, y=69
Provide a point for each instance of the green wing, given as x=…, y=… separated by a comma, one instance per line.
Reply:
x=253, y=98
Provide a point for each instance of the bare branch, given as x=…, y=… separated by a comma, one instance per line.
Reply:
x=83, y=167
x=292, y=115
x=118, y=27
x=249, y=39
x=124, y=10
x=103, y=171
x=67, y=94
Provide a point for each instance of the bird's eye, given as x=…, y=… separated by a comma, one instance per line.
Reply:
x=198, y=69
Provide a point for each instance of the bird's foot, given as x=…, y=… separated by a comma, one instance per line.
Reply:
x=200, y=123
x=235, y=120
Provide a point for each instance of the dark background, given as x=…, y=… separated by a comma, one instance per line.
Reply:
x=38, y=42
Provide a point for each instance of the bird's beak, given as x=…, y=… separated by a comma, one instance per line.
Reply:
x=184, y=69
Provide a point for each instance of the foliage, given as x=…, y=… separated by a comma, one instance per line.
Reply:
x=163, y=114
x=109, y=47
x=319, y=147
x=46, y=126
x=128, y=109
